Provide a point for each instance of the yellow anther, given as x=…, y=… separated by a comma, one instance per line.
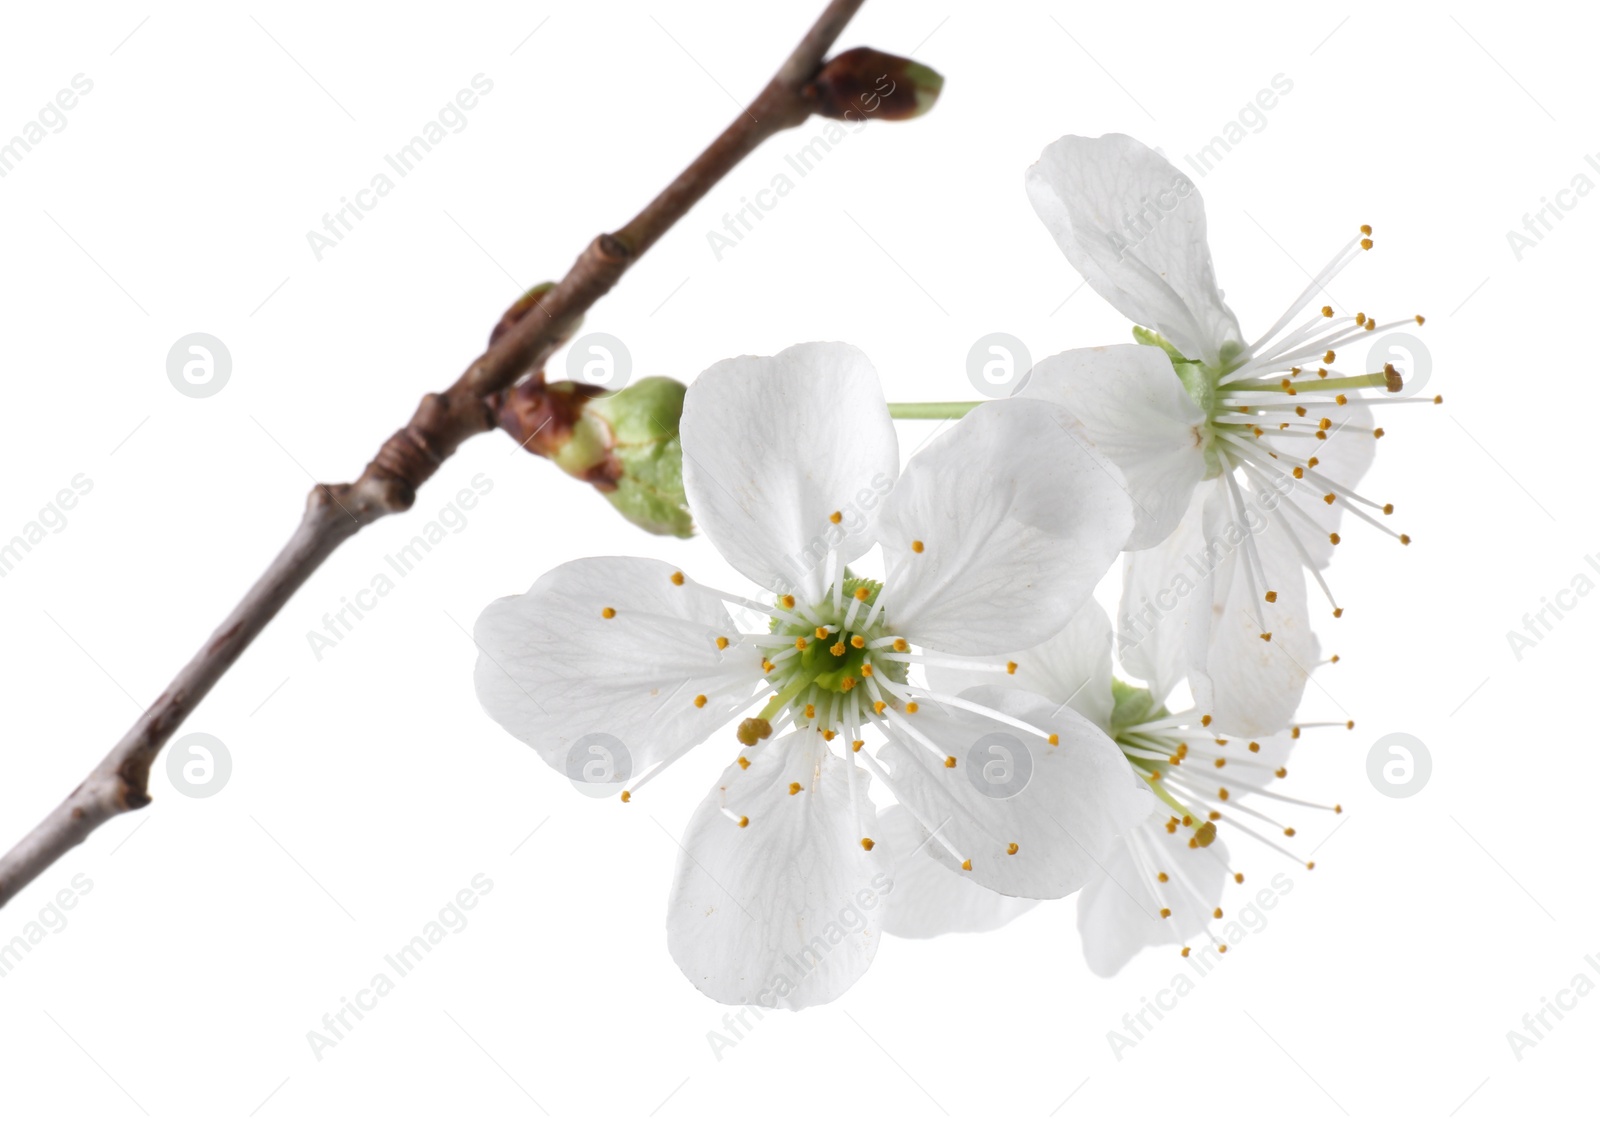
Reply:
x=1272, y=595
x=1255, y=747
x=1011, y=668
x=1220, y=763
x=847, y=683
x=1388, y=508
x=1341, y=399
x=1377, y=434
x=836, y=518
x=967, y=864
x=1334, y=538
x=916, y=546
x=767, y=665
x=795, y=788
x=878, y=706
x=1327, y=359
x=801, y=643
x=821, y=632
x=862, y=593
x=787, y=601
x=1011, y=850
x=752, y=731
x=867, y=843
x=950, y=762
x=1222, y=794
x=1216, y=913
x=1366, y=229
x=837, y=648
x=1329, y=498
x=1205, y=721
x=722, y=642
x=1366, y=245
x=828, y=735
x=911, y=709
x=1166, y=913
x=1419, y=318
x=1327, y=312
x=743, y=821
x=811, y=711
x=857, y=744
x=1162, y=877
x=858, y=641
x=866, y=670
x=626, y=796
x=677, y=577
x=1289, y=831
x=699, y=701
x=744, y=763
x=1054, y=740
x=608, y=613
x=900, y=644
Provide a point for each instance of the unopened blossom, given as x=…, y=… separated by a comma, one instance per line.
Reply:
x=1242, y=456
x=991, y=538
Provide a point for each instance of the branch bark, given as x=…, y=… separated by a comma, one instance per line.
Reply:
x=389, y=483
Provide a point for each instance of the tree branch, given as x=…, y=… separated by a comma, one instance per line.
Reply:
x=334, y=512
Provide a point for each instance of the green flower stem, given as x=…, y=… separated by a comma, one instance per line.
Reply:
x=931, y=410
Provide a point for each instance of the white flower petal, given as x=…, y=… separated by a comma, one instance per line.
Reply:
x=1164, y=621
x=784, y=911
x=1119, y=911
x=929, y=899
x=1138, y=414
x=773, y=447
x=1072, y=668
x=1249, y=685
x=1061, y=805
x=1017, y=516
x=553, y=670
x=1135, y=227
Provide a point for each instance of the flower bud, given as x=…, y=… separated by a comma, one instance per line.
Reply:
x=625, y=444
x=863, y=83
x=519, y=309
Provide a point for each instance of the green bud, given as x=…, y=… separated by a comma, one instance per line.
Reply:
x=626, y=445
x=647, y=454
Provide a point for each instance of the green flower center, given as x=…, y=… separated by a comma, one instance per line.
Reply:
x=841, y=659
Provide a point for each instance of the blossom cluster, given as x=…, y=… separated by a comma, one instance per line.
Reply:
x=932, y=723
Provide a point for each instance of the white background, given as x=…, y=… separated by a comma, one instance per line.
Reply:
x=368, y=787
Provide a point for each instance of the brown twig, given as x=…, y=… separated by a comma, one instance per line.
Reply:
x=334, y=512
